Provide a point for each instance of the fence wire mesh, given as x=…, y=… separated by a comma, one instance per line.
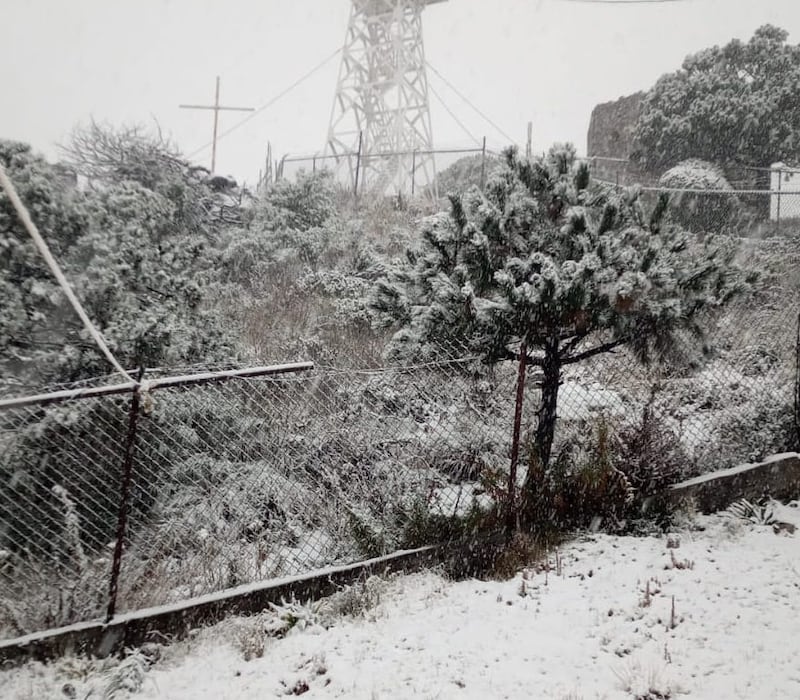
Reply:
x=248, y=480
x=262, y=477
x=422, y=174
x=259, y=478
x=751, y=200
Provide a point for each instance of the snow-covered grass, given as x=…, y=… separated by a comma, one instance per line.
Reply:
x=710, y=611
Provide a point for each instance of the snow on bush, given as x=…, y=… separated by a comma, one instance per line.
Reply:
x=713, y=211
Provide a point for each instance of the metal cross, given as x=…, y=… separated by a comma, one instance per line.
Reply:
x=217, y=108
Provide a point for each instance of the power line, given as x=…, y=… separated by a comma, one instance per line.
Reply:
x=467, y=100
x=268, y=104
x=455, y=118
x=623, y=2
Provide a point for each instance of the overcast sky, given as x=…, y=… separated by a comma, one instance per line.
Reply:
x=547, y=61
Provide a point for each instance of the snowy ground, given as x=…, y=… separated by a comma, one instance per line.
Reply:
x=598, y=624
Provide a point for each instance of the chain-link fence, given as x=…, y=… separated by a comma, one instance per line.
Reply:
x=122, y=498
x=231, y=480
x=428, y=174
x=754, y=199
x=253, y=475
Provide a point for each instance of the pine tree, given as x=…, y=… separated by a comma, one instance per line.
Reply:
x=549, y=270
x=731, y=104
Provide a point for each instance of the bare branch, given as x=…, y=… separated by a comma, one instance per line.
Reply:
x=597, y=350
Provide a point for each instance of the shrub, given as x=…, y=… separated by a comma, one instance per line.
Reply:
x=303, y=204
x=752, y=432
x=582, y=483
x=465, y=173
x=72, y=449
x=611, y=474
x=698, y=212
x=652, y=458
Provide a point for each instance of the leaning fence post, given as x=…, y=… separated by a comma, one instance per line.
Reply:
x=512, y=472
x=124, y=497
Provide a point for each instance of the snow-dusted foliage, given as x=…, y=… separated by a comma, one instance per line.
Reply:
x=700, y=210
x=696, y=174
x=267, y=478
x=135, y=247
x=466, y=173
x=727, y=104
x=31, y=302
x=299, y=205
x=545, y=267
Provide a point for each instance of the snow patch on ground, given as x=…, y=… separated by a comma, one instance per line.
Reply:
x=598, y=624
x=578, y=400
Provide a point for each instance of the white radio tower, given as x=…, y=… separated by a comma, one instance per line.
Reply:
x=381, y=109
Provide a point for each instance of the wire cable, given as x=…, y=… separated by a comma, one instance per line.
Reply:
x=41, y=245
x=690, y=190
x=267, y=105
x=455, y=118
x=467, y=100
x=623, y=2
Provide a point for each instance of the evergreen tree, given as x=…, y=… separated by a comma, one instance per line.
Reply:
x=735, y=104
x=142, y=279
x=550, y=271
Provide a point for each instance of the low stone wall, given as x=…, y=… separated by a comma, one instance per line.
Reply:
x=778, y=477
x=465, y=558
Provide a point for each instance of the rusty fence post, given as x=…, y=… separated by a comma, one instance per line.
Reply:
x=797, y=386
x=511, y=515
x=124, y=497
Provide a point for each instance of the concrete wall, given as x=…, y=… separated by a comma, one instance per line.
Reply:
x=778, y=476
x=610, y=141
x=611, y=127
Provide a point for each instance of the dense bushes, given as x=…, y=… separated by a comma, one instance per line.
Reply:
x=763, y=426
x=466, y=173
x=700, y=212
x=719, y=104
x=608, y=473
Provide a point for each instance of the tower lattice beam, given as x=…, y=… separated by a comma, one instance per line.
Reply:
x=382, y=98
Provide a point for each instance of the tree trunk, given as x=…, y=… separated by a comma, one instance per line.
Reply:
x=545, y=430
x=511, y=514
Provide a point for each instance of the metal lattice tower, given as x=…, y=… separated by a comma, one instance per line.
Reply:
x=381, y=101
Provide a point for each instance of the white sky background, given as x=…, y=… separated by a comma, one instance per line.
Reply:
x=547, y=61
